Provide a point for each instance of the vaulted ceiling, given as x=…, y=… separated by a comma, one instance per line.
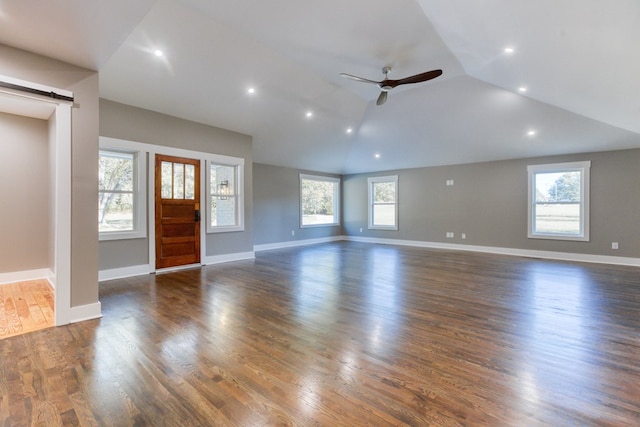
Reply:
x=577, y=60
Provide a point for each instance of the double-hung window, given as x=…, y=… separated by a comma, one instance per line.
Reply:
x=121, y=194
x=383, y=202
x=319, y=201
x=559, y=201
x=225, y=208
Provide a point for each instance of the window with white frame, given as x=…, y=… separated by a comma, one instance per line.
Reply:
x=121, y=194
x=383, y=202
x=225, y=212
x=559, y=201
x=319, y=201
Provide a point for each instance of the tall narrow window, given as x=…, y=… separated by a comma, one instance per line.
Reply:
x=121, y=212
x=559, y=201
x=225, y=198
x=319, y=201
x=383, y=202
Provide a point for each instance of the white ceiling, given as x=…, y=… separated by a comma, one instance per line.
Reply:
x=578, y=59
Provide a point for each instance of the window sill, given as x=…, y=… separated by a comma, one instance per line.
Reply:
x=126, y=235
x=565, y=237
x=224, y=229
x=319, y=225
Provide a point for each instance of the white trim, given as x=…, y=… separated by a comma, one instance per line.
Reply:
x=144, y=269
x=81, y=313
x=62, y=213
x=219, y=259
x=26, y=275
x=120, y=273
x=559, y=256
x=296, y=243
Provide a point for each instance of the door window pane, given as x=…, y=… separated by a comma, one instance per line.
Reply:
x=167, y=180
x=189, y=182
x=178, y=181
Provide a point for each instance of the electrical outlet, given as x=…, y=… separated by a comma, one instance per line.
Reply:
x=614, y=245
x=450, y=235
x=293, y=232
x=361, y=229
x=463, y=236
x=449, y=182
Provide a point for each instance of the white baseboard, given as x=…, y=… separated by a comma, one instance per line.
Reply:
x=141, y=270
x=120, y=273
x=218, y=259
x=295, y=243
x=560, y=256
x=26, y=275
x=85, y=312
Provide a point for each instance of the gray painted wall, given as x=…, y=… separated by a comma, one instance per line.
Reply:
x=84, y=134
x=277, y=206
x=135, y=124
x=488, y=202
x=25, y=224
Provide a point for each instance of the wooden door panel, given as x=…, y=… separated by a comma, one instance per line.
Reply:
x=170, y=230
x=177, y=196
x=177, y=249
x=181, y=211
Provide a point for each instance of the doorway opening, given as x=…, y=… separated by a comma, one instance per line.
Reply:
x=53, y=214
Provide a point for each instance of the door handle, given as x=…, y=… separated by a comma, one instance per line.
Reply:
x=197, y=216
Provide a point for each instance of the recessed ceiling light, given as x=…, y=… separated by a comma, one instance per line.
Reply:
x=509, y=50
x=158, y=52
x=251, y=91
x=377, y=155
x=349, y=130
x=522, y=89
x=309, y=114
x=531, y=133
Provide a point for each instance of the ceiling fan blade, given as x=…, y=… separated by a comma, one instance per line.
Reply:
x=418, y=78
x=382, y=98
x=360, y=79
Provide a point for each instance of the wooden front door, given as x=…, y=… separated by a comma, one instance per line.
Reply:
x=177, y=196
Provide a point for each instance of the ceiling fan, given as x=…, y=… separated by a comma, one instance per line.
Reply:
x=387, y=84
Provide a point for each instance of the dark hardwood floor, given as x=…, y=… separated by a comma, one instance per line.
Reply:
x=342, y=334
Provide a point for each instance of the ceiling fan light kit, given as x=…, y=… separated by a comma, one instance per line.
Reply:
x=387, y=84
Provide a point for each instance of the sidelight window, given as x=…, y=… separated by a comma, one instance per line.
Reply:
x=121, y=195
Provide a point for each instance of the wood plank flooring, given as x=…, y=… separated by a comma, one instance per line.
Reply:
x=342, y=334
x=25, y=307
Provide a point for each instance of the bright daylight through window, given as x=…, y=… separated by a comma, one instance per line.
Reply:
x=119, y=207
x=559, y=201
x=224, y=198
x=319, y=200
x=383, y=202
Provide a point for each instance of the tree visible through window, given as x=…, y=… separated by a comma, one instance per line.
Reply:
x=319, y=200
x=559, y=201
x=116, y=184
